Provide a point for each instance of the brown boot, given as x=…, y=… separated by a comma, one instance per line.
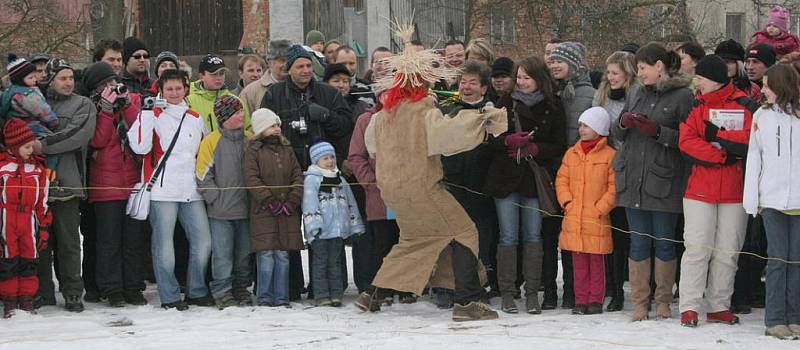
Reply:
x=507, y=276
x=474, y=311
x=9, y=305
x=665, y=280
x=532, y=270
x=639, y=279
x=368, y=301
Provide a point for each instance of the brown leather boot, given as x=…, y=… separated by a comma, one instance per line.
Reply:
x=368, y=301
x=507, y=276
x=665, y=280
x=639, y=279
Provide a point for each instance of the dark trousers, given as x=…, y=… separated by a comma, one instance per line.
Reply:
x=44, y=271
x=363, y=260
x=467, y=284
x=617, y=262
x=89, y=233
x=296, y=281
x=551, y=227
x=748, y=288
x=66, y=220
x=119, y=249
x=327, y=271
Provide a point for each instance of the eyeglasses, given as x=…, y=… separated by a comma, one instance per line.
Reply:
x=141, y=57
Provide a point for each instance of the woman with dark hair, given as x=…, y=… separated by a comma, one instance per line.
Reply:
x=651, y=174
x=537, y=129
x=770, y=189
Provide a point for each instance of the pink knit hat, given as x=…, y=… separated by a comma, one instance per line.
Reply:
x=779, y=17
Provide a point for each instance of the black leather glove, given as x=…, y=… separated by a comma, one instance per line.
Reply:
x=711, y=131
x=317, y=113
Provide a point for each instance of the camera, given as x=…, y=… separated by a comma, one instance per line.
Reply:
x=119, y=89
x=300, y=126
x=149, y=103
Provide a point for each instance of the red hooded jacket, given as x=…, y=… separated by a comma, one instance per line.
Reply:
x=113, y=164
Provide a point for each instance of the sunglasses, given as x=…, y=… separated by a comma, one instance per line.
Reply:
x=140, y=57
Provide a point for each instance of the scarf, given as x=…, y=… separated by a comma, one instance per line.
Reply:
x=617, y=94
x=587, y=146
x=325, y=172
x=530, y=99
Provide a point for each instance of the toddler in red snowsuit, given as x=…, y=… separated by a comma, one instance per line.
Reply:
x=25, y=216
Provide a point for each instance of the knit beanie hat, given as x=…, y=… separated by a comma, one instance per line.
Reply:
x=96, y=74
x=129, y=46
x=764, y=53
x=573, y=53
x=712, y=67
x=55, y=65
x=596, y=118
x=167, y=56
x=333, y=69
x=262, y=119
x=295, y=52
x=630, y=47
x=779, y=17
x=503, y=65
x=225, y=107
x=18, y=68
x=314, y=36
x=17, y=134
x=730, y=50
x=278, y=48
x=319, y=150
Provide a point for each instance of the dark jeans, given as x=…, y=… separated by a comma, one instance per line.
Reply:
x=551, y=228
x=66, y=219
x=617, y=262
x=783, y=280
x=656, y=223
x=748, y=289
x=89, y=232
x=363, y=260
x=296, y=281
x=327, y=268
x=119, y=249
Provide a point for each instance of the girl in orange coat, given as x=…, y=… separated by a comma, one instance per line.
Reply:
x=585, y=188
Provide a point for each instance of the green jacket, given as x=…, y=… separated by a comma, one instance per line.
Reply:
x=202, y=101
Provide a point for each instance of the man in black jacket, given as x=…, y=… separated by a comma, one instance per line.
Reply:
x=310, y=111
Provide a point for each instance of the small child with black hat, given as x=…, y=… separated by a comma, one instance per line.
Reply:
x=330, y=215
x=24, y=100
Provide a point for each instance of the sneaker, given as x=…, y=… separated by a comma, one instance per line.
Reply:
x=509, y=305
x=179, y=305
x=72, y=303
x=26, y=304
x=474, y=311
x=226, y=300
x=243, y=296
x=579, y=309
x=780, y=332
x=725, y=317
x=532, y=304
x=323, y=302
x=116, y=299
x=689, y=319
x=134, y=297
x=368, y=301
x=336, y=302
x=795, y=328
x=201, y=301
x=594, y=309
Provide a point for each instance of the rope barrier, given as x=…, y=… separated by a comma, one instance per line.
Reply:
x=542, y=212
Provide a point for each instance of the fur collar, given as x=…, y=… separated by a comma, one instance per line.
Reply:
x=676, y=81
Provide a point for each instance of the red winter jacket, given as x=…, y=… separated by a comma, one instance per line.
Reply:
x=711, y=181
x=784, y=44
x=112, y=163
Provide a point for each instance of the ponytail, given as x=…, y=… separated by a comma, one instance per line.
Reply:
x=654, y=52
x=674, y=64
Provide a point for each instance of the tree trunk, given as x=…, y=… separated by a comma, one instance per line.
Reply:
x=107, y=19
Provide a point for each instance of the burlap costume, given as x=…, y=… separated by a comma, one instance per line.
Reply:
x=407, y=143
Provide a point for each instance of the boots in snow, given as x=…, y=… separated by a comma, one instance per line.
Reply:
x=9, y=305
x=532, y=271
x=639, y=279
x=665, y=281
x=507, y=276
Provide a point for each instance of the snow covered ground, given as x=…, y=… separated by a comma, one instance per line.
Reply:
x=417, y=326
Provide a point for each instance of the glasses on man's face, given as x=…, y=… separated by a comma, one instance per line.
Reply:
x=141, y=57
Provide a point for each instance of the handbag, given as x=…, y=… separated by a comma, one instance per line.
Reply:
x=545, y=187
x=138, y=206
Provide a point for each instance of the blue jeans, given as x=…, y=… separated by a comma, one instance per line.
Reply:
x=194, y=220
x=230, y=255
x=783, y=280
x=657, y=223
x=327, y=271
x=272, y=277
x=508, y=216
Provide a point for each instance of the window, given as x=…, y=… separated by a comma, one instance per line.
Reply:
x=502, y=23
x=734, y=26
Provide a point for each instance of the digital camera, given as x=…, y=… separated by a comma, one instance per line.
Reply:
x=300, y=126
x=153, y=102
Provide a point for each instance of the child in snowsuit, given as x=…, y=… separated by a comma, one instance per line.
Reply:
x=25, y=218
x=330, y=215
x=274, y=218
x=777, y=35
x=586, y=189
x=23, y=99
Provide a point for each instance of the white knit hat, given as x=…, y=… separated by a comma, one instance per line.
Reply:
x=596, y=118
x=264, y=118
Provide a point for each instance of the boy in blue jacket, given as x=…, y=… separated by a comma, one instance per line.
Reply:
x=330, y=215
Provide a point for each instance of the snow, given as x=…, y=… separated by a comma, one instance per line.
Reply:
x=415, y=326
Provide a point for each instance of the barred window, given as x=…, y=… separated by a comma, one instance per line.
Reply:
x=502, y=24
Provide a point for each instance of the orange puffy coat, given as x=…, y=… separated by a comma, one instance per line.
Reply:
x=585, y=188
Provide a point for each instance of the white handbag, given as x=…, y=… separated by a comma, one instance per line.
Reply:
x=138, y=206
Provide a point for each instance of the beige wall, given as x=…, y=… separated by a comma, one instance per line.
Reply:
x=709, y=19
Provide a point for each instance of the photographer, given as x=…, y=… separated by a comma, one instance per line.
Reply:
x=114, y=168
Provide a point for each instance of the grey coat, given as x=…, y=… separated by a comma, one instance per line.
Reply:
x=650, y=172
x=575, y=103
x=69, y=143
x=218, y=176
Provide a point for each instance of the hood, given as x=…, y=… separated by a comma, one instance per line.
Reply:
x=257, y=142
x=196, y=88
x=727, y=92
